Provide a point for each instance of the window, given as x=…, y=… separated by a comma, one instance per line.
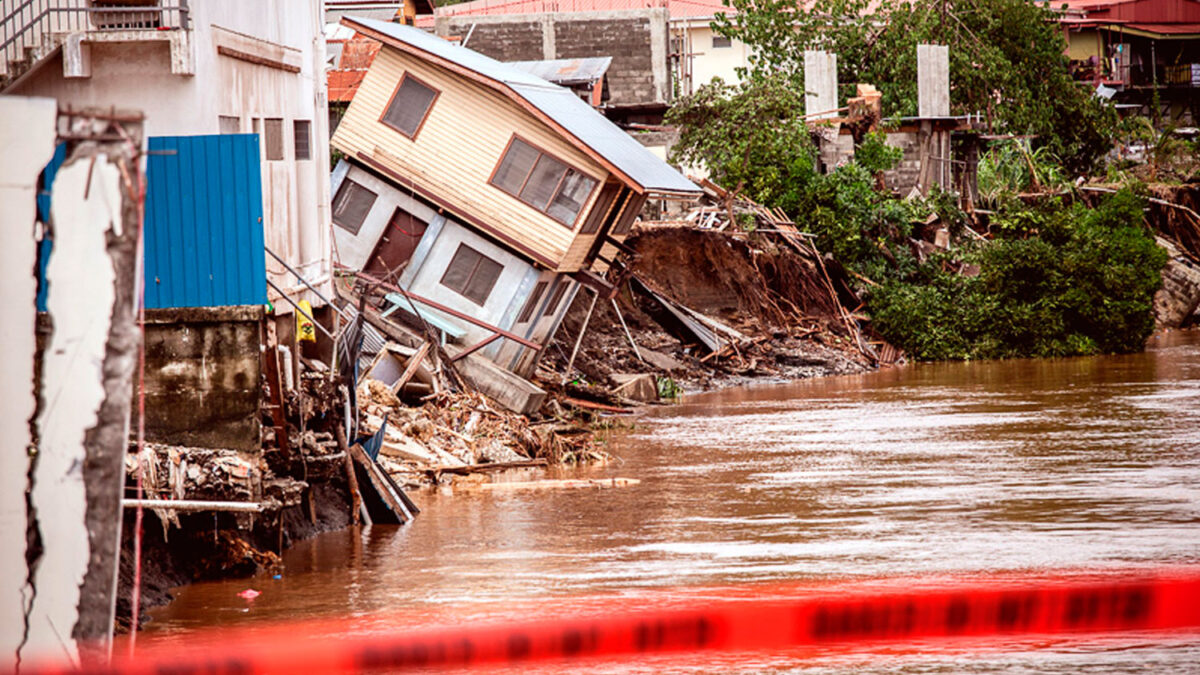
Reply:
x=531, y=304
x=409, y=107
x=543, y=182
x=301, y=133
x=351, y=205
x=552, y=306
x=227, y=124
x=721, y=42
x=273, y=138
x=472, y=274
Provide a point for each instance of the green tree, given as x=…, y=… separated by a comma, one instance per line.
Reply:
x=1006, y=61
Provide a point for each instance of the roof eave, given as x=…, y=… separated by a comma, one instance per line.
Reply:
x=501, y=87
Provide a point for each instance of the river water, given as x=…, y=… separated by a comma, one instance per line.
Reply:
x=1026, y=467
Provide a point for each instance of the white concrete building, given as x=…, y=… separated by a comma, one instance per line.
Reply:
x=211, y=67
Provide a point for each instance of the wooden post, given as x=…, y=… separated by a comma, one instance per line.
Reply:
x=579, y=338
x=357, y=507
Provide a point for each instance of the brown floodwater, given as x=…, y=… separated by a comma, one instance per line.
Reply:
x=1026, y=466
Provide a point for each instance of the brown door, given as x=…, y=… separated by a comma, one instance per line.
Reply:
x=396, y=245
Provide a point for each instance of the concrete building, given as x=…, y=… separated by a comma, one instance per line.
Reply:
x=490, y=194
x=213, y=67
x=237, y=181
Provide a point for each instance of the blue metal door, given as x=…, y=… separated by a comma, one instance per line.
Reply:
x=204, y=231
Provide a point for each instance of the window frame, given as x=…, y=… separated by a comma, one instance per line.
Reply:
x=471, y=275
x=267, y=137
x=333, y=210
x=296, y=142
x=529, y=309
x=424, y=117
x=542, y=152
x=556, y=298
x=728, y=42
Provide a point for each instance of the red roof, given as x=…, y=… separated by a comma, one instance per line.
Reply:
x=357, y=55
x=1146, y=12
x=676, y=8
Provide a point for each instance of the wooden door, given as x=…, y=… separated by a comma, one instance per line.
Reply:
x=396, y=244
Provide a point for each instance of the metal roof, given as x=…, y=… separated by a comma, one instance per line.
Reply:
x=575, y=120
x=567, y=71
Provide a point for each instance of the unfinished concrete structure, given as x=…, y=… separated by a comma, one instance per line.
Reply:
x=636, y=39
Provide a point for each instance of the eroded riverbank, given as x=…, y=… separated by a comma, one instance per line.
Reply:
x=943, y=468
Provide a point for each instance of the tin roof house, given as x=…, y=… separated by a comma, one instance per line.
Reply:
x=488, y=195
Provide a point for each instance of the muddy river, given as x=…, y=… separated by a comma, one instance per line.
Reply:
x=1019, y=466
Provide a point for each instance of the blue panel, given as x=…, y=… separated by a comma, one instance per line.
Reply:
x=204, y=236
x=46, y=245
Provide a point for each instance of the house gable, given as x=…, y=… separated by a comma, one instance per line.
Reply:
x=461, y=142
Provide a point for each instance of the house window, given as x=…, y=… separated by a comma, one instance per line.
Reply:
x=531, y=304
x=409, y=107
x=273, y=138
x=552, y=306
x=227, y=124
x=301, y=131
x=721, y=42
x=351, y=205
x=472, y=274
x=543, y=182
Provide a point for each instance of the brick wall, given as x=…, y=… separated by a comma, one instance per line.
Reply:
x=635, y=39
x=515, y=41
x=631, y=75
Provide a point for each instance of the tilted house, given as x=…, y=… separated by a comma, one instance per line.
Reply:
x=490, y=195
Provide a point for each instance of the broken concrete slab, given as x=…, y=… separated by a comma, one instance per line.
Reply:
x=662, y=361
x=636, y=386
x=511, y=391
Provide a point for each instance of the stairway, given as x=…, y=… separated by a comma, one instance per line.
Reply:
x=33, y=30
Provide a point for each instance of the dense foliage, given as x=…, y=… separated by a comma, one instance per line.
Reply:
x=1006, y=61
x=1065, y=280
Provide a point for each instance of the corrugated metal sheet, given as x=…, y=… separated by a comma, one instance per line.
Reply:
x=565, y=72
x=204, y=230
x=583, y=124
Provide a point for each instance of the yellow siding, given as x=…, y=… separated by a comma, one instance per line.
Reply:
x=1083, y=45
x=458, y=147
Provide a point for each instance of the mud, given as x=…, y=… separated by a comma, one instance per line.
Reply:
x=776, y=298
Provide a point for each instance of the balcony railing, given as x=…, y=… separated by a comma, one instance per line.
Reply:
x=28, y=28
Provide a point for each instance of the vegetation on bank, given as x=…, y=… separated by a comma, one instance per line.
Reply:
x=1054, y=277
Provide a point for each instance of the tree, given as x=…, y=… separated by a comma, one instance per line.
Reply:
x=1006, y=61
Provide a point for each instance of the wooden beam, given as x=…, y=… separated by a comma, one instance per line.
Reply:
x=449, y=310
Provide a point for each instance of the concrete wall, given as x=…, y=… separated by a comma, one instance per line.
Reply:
x=27, y=136
x=636, y=39
x=353, y=250
x=139, y=75
x=708, y=61
x=202, y=377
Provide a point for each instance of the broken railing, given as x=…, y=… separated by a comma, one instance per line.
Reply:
x=496, y=332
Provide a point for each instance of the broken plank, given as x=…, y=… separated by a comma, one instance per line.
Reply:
x=414, y=362
x=564, y=484
x=486, y=467
x=592, y=405
x=379, y=480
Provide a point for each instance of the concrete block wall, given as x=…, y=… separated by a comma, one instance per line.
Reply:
x=635, y=39
x=202, y=377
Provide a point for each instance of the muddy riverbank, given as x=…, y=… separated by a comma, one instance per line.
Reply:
x=956, y=468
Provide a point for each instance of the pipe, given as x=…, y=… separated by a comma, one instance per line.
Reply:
x=192, y=505
x=303, y=281
x=306, y=314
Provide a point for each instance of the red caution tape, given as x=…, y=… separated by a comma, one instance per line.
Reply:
x=1005, y=608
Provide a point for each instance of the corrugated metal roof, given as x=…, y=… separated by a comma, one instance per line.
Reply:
x=585, y=127
x=567, y=71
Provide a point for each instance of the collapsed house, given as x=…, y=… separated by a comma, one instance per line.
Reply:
x=482, y=198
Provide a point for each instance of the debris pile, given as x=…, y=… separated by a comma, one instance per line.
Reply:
x=457, y=434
